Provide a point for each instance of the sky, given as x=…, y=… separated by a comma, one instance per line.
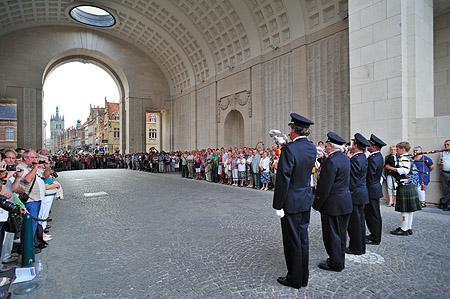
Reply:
x=72, y=87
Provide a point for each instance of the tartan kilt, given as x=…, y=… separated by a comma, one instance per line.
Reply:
x=407, y=199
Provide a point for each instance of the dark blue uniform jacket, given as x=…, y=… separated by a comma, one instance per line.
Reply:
x=333, y=195
x=293, y=182
x=374, y=171
x=358, y=173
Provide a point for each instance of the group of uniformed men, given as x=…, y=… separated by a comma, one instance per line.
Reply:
x=347, y=197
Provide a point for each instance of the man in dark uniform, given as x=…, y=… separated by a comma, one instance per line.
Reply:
x=374, y=171
x=292, y=199
x=334, y=202
x=360, y=196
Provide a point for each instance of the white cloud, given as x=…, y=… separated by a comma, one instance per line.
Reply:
x=72, y=87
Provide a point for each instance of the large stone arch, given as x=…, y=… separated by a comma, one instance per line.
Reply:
x=107, y=64
x=31, y=54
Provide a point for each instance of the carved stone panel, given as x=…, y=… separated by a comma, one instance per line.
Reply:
x=234, y=101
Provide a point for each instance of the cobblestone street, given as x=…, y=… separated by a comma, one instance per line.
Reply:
x=158, y=235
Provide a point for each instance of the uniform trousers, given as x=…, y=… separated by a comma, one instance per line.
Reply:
x=373, y=219
x=334, y=234
x=357, y=230
x=445, y=182
x=294, y=228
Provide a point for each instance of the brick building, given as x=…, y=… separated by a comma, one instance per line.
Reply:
x=8, y=125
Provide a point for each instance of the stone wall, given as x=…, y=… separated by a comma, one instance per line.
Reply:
x=277, y=85
x=311, y=78
x=184, y=122
x=328, y=86
x=442, y=65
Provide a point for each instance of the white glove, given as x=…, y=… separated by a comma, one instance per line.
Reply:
x=279, y=140
x=280, y=213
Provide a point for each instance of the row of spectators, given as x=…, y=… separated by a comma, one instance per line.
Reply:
x=28, y=183
x=255, y=168
x=70, y=161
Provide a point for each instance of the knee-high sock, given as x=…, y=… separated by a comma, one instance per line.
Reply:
x=410, y=220
x=404, y=221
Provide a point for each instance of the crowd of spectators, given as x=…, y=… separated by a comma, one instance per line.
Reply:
x=71, y=161
x=28, y=183
x=243, y=166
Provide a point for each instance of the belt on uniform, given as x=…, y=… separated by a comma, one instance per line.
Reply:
x=445, y=171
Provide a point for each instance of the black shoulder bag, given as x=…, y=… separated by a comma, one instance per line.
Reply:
x=23, y=196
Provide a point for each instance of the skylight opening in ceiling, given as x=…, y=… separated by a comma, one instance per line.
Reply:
x=92, y=16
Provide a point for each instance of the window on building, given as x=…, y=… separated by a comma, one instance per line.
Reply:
x=152, y=133
x=117, y=116
x=152, y=118
x=116, y=132
x=9, y=134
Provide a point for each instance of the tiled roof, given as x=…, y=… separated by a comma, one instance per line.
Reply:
x=8, y=112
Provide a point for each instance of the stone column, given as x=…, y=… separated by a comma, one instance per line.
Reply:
x=29, y=116
x=391, y=66
x=135, y=125
x=123, y=126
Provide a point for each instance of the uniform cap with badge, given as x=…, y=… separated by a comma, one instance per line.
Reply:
x=376, y=141
x=360, y=140
x=301, y=121
x=335, y=138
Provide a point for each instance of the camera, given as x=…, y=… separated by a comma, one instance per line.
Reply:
x=54, y=174
x=11, y=167
x=8, y=206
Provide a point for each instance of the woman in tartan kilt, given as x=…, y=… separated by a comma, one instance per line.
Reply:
x=407, y=198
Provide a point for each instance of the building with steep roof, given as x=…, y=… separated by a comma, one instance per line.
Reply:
x=111, y=141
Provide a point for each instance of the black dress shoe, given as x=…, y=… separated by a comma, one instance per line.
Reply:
x=325, y=266
x=410, y=232
x=399, y=232
x=349, y=251
x=285, y=282
x=371, y=242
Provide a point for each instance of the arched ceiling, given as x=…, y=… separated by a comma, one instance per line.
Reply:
x=191, y=40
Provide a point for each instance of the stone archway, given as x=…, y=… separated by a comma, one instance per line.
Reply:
x=105, y=63
x=234, y=129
